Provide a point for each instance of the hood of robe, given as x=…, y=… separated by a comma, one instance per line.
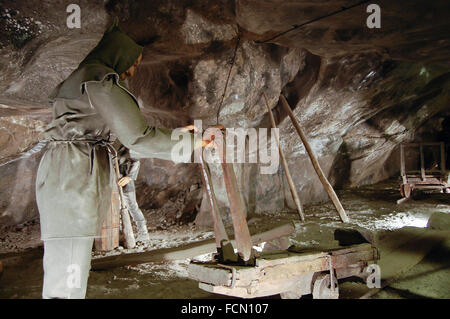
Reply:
x=115, y=53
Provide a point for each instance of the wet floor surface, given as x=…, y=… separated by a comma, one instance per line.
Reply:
x=371, y=207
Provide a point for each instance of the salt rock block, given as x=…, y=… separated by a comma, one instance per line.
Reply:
x=439, y=221
x=354, y=236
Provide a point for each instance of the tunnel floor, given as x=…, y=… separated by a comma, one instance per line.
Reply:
x=373, y=207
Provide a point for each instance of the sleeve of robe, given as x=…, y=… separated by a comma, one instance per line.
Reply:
x=122, y=115
x=134, y=169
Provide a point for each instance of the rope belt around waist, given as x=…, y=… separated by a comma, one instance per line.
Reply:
x=93, y=144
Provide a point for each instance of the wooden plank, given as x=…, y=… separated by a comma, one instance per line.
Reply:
x=417, y=179
x=266, y=261
x=183, y=252
x=262, y=289
x=351, y=249
x=342, y=261
x=292, y=269
x=428, y=173
x=284, y=163
x=220, y=233
x=326, y=184
x=237, y=210
x=214, y=276
x=440, y=186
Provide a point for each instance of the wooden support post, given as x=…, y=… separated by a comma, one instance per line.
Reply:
x=183, y=252
x=443, y=168
x=295, y=196
x=315, y=163
x=219, y=228
x=127, y=229
x=422, y=162
x=237, y=209
x=402, y=163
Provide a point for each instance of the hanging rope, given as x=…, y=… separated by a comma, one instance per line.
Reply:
x=313, y=20
x=273, y=38
x=228, y=77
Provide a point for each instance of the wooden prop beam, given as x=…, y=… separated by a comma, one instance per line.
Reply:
x=219, y=229
x=422, y=163
x=237, y=209
x=326, y=184
x=403, y=163
x=295, y=196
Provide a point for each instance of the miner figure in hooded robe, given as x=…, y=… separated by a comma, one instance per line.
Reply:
x=129, y=170
x=73, y=186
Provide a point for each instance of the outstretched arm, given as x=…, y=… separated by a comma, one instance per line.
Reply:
x=122, y=115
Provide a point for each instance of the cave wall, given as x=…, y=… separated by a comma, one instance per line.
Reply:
x=357, y=92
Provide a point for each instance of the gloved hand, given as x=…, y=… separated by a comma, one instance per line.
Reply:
x=203, y=142
x=124, y=181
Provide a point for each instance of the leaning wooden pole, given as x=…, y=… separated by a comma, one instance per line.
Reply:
x=237, y=209
x=298, y=204
x=326, y=184
x=219, y=228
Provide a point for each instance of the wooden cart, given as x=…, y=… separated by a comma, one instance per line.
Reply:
x=432, y=178
x=291, y=273
x=242, y=272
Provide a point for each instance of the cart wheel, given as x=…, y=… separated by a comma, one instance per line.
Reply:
x=405, y=190
x=322, y=288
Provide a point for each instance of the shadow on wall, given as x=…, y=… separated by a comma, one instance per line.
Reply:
x=296, y=90
x=339, y=175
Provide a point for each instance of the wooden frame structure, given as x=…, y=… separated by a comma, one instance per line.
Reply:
x=423, y=178
x=291, y=273
x=245, y=252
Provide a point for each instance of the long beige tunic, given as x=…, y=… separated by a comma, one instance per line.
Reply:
x=73, y=186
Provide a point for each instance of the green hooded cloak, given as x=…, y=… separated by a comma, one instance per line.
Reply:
x=73, y=185
x=115, y=53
